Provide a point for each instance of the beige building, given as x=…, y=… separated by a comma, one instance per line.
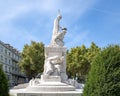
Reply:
x=9, y=58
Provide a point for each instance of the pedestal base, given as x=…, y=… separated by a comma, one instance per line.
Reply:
x=45, y=78
x=23, y=92
x=49, y=84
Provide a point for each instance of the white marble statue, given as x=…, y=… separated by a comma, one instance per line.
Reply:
x=58, y=32
x=53, y=65
x=54, y=80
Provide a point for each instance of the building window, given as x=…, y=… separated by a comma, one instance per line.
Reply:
x=5, y=68
x=1, y=58
x=9, y=54
x=13, y=69
x=9, y=62
x=9, y=69
x=6, y=60
x=5, y=51
x=1, y=49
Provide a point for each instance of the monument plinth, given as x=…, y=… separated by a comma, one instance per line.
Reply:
x=57, y=55
x=53, y=81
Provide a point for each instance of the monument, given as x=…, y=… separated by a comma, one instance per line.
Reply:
x=54, y=80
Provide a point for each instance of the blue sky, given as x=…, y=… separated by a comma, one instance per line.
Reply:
x=86, y=20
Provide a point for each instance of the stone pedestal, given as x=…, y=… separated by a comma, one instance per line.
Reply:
x=45, y=78
x=50, y=85
x=23, y=92
x=57, y=51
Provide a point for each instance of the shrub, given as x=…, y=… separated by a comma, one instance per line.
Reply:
x=104, y=76
x=4, y=90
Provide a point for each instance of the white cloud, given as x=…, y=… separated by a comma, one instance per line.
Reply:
x=71, y=8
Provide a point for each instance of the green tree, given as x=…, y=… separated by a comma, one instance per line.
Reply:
x=76, y=61
x=3, y=83
x=32, y=59
x=79, y=60
x=104, y=76
x=92, y=52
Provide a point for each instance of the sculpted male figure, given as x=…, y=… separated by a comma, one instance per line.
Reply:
x=57, y=37
x=53, y=65
x=56, y=25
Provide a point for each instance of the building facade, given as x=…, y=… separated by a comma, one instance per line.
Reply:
x=9, y=58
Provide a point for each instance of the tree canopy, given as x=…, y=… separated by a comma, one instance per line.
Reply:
x=32, y=58
x=79, y=60
x=104, y=76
